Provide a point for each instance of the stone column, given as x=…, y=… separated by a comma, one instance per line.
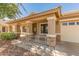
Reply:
x=51, y=31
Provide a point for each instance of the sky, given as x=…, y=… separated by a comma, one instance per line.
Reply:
x=40, y=7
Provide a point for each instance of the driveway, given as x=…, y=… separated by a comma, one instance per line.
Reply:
x=68, y=48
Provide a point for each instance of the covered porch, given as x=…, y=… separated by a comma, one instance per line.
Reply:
x=44, y=26
x=39, y=30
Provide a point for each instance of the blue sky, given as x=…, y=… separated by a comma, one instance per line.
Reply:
x=39, y=7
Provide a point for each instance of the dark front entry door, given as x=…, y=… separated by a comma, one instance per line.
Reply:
x=34, y=28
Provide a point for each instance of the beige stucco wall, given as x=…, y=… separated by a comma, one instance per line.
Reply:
x=70, y=33
x=52, y=25
x=0, y=28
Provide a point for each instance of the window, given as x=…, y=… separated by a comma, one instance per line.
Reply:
x=64, y=23
x=77, y=23
x=44, y=28
x=71, y=23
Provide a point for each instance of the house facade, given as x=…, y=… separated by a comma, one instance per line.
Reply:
x=52, y=22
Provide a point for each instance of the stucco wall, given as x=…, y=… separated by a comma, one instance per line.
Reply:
x=0, y=27
x=70, y=33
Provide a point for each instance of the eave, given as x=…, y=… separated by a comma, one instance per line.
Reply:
x=56, y=11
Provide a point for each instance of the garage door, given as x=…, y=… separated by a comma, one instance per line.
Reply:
x=70, y=31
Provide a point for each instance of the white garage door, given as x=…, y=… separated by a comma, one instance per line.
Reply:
x=70, y=31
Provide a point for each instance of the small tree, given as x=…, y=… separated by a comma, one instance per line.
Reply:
x=9, y=10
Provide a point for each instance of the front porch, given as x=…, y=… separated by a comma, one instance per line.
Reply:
x=44, y=27
x=40, y=27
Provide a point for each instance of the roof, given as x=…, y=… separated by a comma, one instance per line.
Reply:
x=3, y=22
x=70, y=14
x=33, y=15
x=66, y=15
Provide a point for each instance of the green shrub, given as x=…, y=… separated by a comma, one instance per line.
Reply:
x=8, y=36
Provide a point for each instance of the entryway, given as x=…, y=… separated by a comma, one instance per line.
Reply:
x=34, y=28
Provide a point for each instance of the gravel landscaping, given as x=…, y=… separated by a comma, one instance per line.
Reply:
x=8, y=49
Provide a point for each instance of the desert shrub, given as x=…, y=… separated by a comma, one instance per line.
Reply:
x=8, y=36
